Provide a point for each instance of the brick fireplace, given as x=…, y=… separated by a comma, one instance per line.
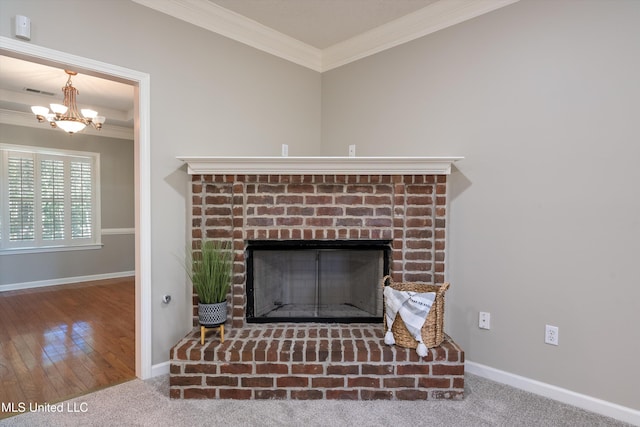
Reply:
x=401, y=202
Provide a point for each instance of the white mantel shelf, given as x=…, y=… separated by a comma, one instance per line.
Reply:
x=211, y=165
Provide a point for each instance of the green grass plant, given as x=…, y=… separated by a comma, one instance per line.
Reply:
x=210, y=268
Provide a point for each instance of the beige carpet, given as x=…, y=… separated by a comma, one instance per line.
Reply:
x=145, y=403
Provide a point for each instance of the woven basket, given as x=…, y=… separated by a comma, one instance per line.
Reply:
x=432, y=330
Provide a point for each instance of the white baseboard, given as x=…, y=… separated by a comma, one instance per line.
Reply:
x=583, y=401
x=64, y=281
x=160, y=368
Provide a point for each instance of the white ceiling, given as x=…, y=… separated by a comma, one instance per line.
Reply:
x=318, y=34
x=17, y=75
x=21, y=80
x=323, y=23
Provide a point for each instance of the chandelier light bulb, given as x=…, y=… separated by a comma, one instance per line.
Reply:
x=89, y=114
x=40, y=111
x=59, y=108
x=70, y=126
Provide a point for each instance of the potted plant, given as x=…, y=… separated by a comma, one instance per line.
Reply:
x=210, y=269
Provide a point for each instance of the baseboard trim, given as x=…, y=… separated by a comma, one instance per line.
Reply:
x=64, y=281
x=591, y=404
x=160, y=368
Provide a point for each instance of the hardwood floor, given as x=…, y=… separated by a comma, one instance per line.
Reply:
x=62, y=341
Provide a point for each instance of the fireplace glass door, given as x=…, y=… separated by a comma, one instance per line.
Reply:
x=315, y=282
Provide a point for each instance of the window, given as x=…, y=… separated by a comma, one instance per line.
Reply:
x=50, y=199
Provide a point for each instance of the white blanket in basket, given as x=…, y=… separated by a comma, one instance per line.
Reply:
x=413, y=308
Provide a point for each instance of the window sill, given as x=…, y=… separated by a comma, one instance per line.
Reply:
x=22, y=251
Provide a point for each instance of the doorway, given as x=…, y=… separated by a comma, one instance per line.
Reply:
x=141, y=83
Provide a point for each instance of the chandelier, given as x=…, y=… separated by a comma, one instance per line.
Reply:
x=65, y=116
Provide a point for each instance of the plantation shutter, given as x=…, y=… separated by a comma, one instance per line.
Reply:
x=50, y=198
x=81, y=199
x=21, y=197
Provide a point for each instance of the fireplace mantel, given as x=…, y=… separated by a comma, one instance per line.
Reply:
x=212, y=165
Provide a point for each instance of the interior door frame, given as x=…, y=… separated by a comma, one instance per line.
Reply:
x=142, y=161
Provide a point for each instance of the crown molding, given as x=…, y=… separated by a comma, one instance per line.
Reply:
x=227, y=23
x=19, y=118
x=436, y=16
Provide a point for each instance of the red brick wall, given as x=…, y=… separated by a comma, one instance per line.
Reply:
x=306, y=361
x=408, y=210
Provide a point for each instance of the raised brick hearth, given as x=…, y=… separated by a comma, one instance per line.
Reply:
x=318, y=361
x=313, y=361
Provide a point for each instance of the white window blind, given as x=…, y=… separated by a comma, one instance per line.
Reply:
x=21, y=198
x=50, y=198
x=81, y=200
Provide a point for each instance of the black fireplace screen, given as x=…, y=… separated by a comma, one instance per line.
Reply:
x=316, y=281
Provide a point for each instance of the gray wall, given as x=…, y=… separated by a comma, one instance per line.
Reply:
x=541, y=97
x=117, y=210
x=209, y=96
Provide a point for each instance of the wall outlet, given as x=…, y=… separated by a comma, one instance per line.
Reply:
x=352, y=150
x=285, y=150
x=484, y=320
x=551, y=334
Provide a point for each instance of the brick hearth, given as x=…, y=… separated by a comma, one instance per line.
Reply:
x=318, y=361
x=313, y=361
